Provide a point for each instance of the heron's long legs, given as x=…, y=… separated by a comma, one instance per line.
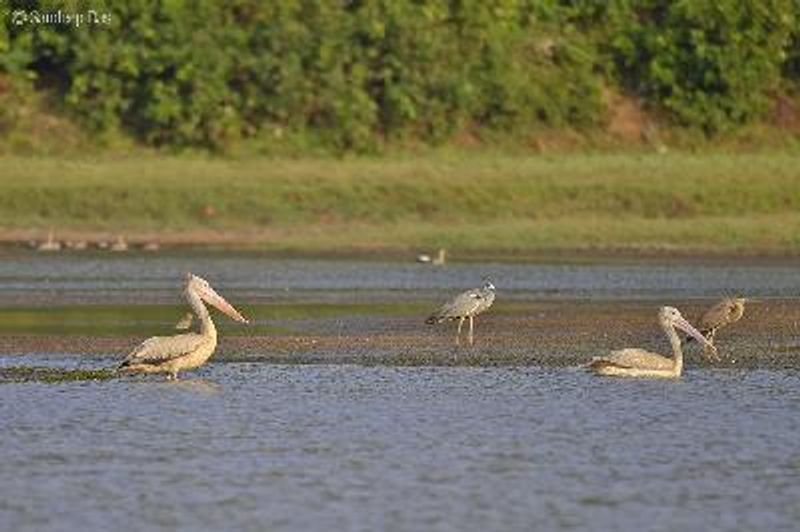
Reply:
x=458, y=333
x=470, y=330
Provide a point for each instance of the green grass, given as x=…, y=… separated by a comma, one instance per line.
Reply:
x=717, y=202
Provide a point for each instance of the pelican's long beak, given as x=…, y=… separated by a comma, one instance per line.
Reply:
x=213, y=298
x=687, y=327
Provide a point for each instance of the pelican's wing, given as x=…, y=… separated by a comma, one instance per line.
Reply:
x=463, y=304
x=160, y=349
x=633, y=358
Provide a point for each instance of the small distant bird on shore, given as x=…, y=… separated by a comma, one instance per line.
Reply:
x=76, y=245
x=51, y=244
x=727, y=311
x=439, y=260
x=465, y=305
x=119, y=244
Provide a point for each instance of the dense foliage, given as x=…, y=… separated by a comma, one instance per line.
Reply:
x=355, y=74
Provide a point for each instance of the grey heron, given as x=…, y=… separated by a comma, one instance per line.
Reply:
x=465, y=305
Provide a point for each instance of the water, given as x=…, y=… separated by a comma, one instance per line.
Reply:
x=264, y=447
x=31, y=278
x=258, y=446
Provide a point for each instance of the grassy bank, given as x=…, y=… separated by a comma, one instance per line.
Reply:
x=731, y=203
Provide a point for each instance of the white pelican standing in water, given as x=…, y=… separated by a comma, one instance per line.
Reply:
x=170, y=354
x=641, y=363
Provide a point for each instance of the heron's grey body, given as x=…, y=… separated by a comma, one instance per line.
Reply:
x=641, y=363
x=465, y=306
x=170, y=354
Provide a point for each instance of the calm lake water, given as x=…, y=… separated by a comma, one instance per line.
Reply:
x=256, y=446
x=264, y=447
x=30, y=278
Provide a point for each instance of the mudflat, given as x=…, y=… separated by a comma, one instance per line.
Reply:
x=553, y=333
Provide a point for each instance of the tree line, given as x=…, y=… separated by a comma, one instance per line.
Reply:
x=354, y=75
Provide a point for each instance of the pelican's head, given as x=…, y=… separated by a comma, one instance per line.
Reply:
x=671, y=317
x=200, y=286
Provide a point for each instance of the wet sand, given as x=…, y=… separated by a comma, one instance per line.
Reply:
x=552, y=333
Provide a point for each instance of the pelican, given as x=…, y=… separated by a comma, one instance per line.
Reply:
x=727, y=311
x=465, y=305
x=641, y=363
x=170, y=354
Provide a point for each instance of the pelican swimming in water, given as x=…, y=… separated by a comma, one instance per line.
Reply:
x=641, y=363
x=170, y=354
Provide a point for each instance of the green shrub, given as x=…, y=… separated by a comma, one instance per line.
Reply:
x=352, y=76
x=709, y=62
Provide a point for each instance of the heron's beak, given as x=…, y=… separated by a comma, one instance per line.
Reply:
x=687, y=327
x=213, y=298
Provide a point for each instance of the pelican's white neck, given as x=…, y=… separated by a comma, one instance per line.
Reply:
x=677, y=352
x=206, y=325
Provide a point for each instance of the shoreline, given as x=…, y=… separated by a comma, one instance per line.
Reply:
x=265, y=243
x=552, y=333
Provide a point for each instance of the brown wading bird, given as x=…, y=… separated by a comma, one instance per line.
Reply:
x=170, y=354
x=641, y=363
x=464, y=306
x=727, y=311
